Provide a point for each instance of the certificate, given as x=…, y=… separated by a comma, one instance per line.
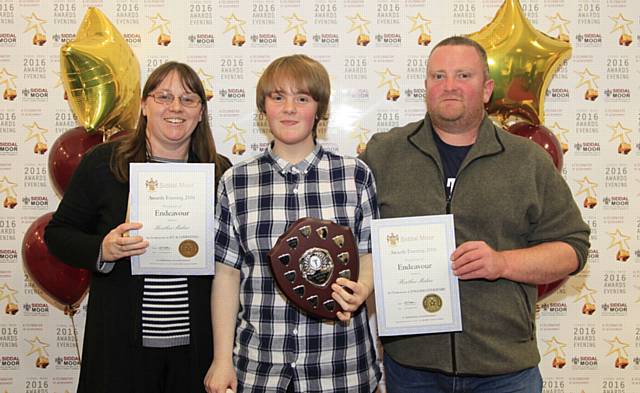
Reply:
x=175, y=204
x=415, y=289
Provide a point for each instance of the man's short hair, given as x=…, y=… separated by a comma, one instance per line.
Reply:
x=458, y=40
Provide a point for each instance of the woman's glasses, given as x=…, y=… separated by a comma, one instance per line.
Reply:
x=190, y=100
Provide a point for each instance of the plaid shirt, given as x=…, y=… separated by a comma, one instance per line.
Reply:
x=275, y=343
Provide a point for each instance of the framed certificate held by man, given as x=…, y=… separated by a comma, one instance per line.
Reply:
x=415, y=289
x=175, y=204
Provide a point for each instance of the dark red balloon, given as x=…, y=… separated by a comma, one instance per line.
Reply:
x=543, y=137
x=66, y=153
x=65, y=284
x=545, y=290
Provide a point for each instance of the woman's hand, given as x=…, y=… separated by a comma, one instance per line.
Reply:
x=221, y=378
x=117, y=244
x=349, y=301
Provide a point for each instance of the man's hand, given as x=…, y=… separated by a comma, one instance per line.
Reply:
x=475, y=260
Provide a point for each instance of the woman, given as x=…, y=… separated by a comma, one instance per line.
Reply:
x=126, y=348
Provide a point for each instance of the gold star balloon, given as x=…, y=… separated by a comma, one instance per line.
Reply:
x=101, y=76
x=522, y=61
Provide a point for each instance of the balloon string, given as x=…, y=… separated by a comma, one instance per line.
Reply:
x=108, y=133
x=75, y=333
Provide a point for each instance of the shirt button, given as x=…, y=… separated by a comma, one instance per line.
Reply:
x=293, y=364
x=295, y=332
x=295, y=190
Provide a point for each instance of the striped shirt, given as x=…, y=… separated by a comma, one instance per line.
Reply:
x=275, y=342
x=165, y=312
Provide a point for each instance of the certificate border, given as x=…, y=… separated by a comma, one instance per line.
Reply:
x=136, y=170
x=383, y=329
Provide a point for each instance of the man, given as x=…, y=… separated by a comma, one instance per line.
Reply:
x=516, y=224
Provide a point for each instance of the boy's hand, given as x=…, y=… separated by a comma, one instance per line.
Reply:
x=350, y=295
x=220, y=378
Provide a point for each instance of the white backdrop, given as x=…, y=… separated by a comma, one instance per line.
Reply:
x=201, y=33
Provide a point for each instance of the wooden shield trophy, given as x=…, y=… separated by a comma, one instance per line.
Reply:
x=308, y=258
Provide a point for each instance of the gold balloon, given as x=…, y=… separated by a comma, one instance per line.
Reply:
x=522, y=61
x=101, y=76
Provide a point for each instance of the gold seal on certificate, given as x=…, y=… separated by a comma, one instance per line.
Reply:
x=415, y=289
x=188, y=248
x=175, y=204
x=432, y=303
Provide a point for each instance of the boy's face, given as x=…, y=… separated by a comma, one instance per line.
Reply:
x=291, y=115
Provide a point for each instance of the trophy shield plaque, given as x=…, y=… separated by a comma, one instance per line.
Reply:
x=310, y=256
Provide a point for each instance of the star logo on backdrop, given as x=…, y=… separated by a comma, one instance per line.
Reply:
x=587, y=187
x=621, y=23
x=7, y=79
x=559, y=132
x=618, y=239
x=38, y=346
x=235, y=24
x=419, y=23
x=34, y=23
x=389, y=79
x=559, y=24
x=618, y=347
x=554, y=346
x=360, y=133
x=205, y=78
x=8, y=188
x=588, y=79
x=7, y=292
x=234, y=133
x=620, y=133
x=159, y=23
x=585, y=293
x=36, y=132
x=358, y=23
x=295, y=23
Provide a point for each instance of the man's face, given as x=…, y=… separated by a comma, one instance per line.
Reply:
x=456, y=88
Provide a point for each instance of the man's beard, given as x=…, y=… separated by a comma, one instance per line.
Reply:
x=459, y=123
